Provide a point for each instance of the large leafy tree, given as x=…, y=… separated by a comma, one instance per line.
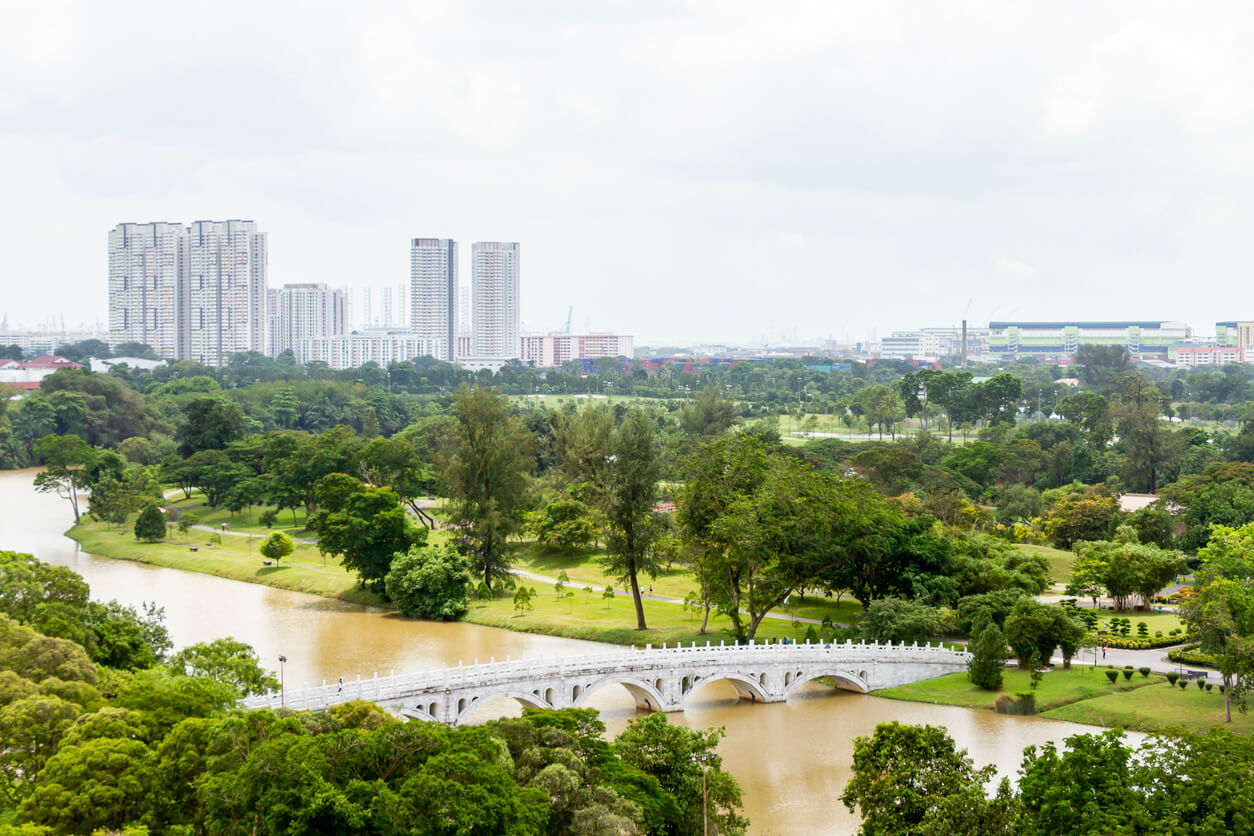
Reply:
x=487, y=480
x=366, y=526
x=1145, y=442
x=620, y=466
x=904, y=775
x=431, y=582
x=210, y=424
x=686, y=764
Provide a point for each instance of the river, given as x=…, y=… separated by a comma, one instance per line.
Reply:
x=792, y=759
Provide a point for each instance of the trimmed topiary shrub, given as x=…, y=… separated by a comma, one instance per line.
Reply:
x=1127, y=673
x=1171, y=679
x=1184, y=683
x=1200, y=684
x=1208, y=687
x=1113, y=676
x=1145, y=672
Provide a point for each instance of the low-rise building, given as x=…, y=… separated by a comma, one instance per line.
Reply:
x=546, y=351
x=29, y=374
x=349, y=351
x=1206, y=355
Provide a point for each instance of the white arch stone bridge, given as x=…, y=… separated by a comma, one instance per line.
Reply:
x=660, y=679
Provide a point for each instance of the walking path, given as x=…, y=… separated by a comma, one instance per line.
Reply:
x=666, y=599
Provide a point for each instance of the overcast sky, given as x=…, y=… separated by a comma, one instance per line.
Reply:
x=686, y=172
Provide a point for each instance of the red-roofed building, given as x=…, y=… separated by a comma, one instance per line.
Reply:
x=29, y=374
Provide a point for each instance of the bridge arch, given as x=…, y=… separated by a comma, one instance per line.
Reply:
x=646, y=694
x=848, y=680
x=466, y=705
x=418, y=713
x=747, y=685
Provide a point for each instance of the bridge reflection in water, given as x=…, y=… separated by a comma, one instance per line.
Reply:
x=659, y=679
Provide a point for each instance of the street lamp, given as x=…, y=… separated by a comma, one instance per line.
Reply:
x=703, y=759
x=282, y=681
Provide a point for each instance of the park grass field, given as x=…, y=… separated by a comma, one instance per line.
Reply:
x=237, y=558
x=1059, y=560
x=583, y=566
x=1150, y=709
x=1058, y=688
x=586, y=615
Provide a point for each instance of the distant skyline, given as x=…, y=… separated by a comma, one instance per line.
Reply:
x=684, y=172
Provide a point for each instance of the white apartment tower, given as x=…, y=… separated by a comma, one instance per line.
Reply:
x=192, y=293
x=304, y=311
x=495, y=289
x=226, y=290
x=145, y=285
x=433, y=293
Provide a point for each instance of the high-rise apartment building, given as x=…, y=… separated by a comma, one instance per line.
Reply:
x=302, y=311
x=225, y=290
x=192, y=293
x=495, y=290
x=145, y=285
x=433, y=293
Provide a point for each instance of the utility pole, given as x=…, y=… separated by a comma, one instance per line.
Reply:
x=705, y=805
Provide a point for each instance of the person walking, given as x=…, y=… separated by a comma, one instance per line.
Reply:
x=340, y=690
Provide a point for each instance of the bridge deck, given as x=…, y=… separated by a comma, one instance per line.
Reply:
x=646, y=662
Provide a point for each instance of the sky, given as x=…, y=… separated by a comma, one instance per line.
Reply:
x=686, y=172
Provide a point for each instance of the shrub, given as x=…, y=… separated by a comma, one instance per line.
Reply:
x=1209, y=686
x=1200, y=684
x=1021, y=703
x=1142, y=629
x=1184, y=683
x=1171, y=679
x=430, y=582
x=150, y=525
x=1113, y=676
x=1145, y=672
x=1127, y=673
x=1221, y=688
x=268, y=517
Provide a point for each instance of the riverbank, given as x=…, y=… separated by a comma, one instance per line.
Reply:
x=586, y=615
x=1085, y=695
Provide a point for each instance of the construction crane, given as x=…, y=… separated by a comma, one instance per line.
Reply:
x=569, y=316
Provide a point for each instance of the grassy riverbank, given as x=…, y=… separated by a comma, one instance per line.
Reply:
x=585, y=616
x=1084, y=695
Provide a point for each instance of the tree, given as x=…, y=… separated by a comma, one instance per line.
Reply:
x=187, y=521
x=1100, y=365
x=566, y=522
x=102, y=783
x=66, y=459
x=1221, y=616
x=1124, y=568
x=487, y=480
x=1086, y=789
x=367, y=526
x=431, y=582
x=683, y=761
x=902, y=774
x=988, y=654
x=1142, y=437
x=1081, y=518
x=277, y=546
x=710, y=414
x=626, y=494
x=1030, y=632
x=210, y=424
x=901, y=620
x=228, y=661
x=150, y=524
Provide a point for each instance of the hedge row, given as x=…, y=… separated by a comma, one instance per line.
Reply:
x=1134, y=643
x=1190, y=655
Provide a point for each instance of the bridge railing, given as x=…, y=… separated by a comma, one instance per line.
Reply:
x=396, y=687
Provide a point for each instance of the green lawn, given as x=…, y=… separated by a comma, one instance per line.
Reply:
x=238, y=558
x=583, y=566
x=247, y=520
x=1148, y=709
x=1058, y=688
x=1166, y=621
x=1059, y=561
x=589, y=616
